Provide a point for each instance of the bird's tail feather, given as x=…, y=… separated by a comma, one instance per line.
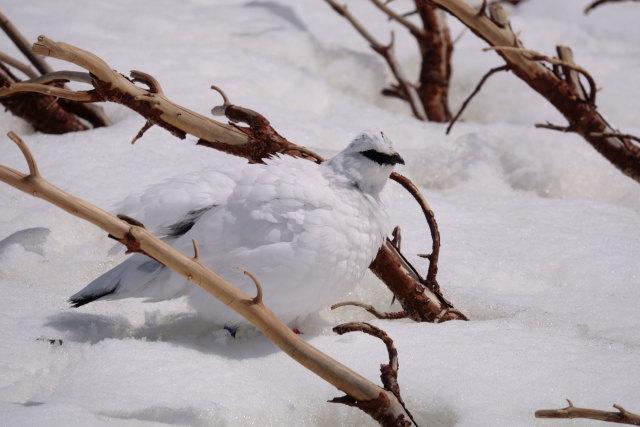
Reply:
x=124, y=280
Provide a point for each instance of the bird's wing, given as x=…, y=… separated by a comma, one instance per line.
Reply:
x=164, y=206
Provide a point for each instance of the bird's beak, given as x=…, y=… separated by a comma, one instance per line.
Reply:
x=395, y=159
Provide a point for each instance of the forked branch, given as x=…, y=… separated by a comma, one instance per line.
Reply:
x=138, y=239
x=621, y=417
x=388, y=373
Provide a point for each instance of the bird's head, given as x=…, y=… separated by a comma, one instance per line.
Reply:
x=367, y=161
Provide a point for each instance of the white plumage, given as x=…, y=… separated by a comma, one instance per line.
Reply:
x=307, y=231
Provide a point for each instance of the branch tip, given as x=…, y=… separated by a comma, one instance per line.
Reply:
x=31, y=162
x=196, y=253
x=258, y=298
x=219, y=110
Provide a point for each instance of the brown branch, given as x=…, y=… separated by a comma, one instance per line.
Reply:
x=372, y=310
x=474, y=93
x=601, y=2
x=582, y=116
x=433, y=228
x=621, y=417
x=436, y=48
x=388, y=372
x=140, y=240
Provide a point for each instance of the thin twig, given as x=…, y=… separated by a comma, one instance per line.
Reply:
x=31, y=162
x=408, y=90
x=22, y=87
x=433, y=227
x=147, y=125
x=57, y=76
x=25, y=47
x=26, y=69
x=372, y=310
x=621, y=417
x=416, y=31
x=615, y=134
x=548, y=125
x=388, y=373
x=475, y=91
x=601, y=2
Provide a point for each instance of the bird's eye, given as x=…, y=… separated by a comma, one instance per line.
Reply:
x=383, y=158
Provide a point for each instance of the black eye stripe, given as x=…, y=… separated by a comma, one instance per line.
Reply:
x=383, y=158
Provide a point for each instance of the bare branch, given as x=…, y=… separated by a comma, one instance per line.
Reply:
x=474, y=93
x=61, y=76
x=601, y=2
x=413, y=29
x=25, y=47
x=372, y=310
x=147, y=125
x=140, y=240
x=31, y=162
x=27, y=70
x=406, y=88
x=433, y=227
x=621, y=417
x=24, y=87
x=388, y=372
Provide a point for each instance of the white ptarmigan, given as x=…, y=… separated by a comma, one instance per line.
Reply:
x=308, y=232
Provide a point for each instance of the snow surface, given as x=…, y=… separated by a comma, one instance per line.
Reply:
x=540, y=234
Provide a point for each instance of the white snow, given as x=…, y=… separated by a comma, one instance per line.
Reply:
x=540, y=234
